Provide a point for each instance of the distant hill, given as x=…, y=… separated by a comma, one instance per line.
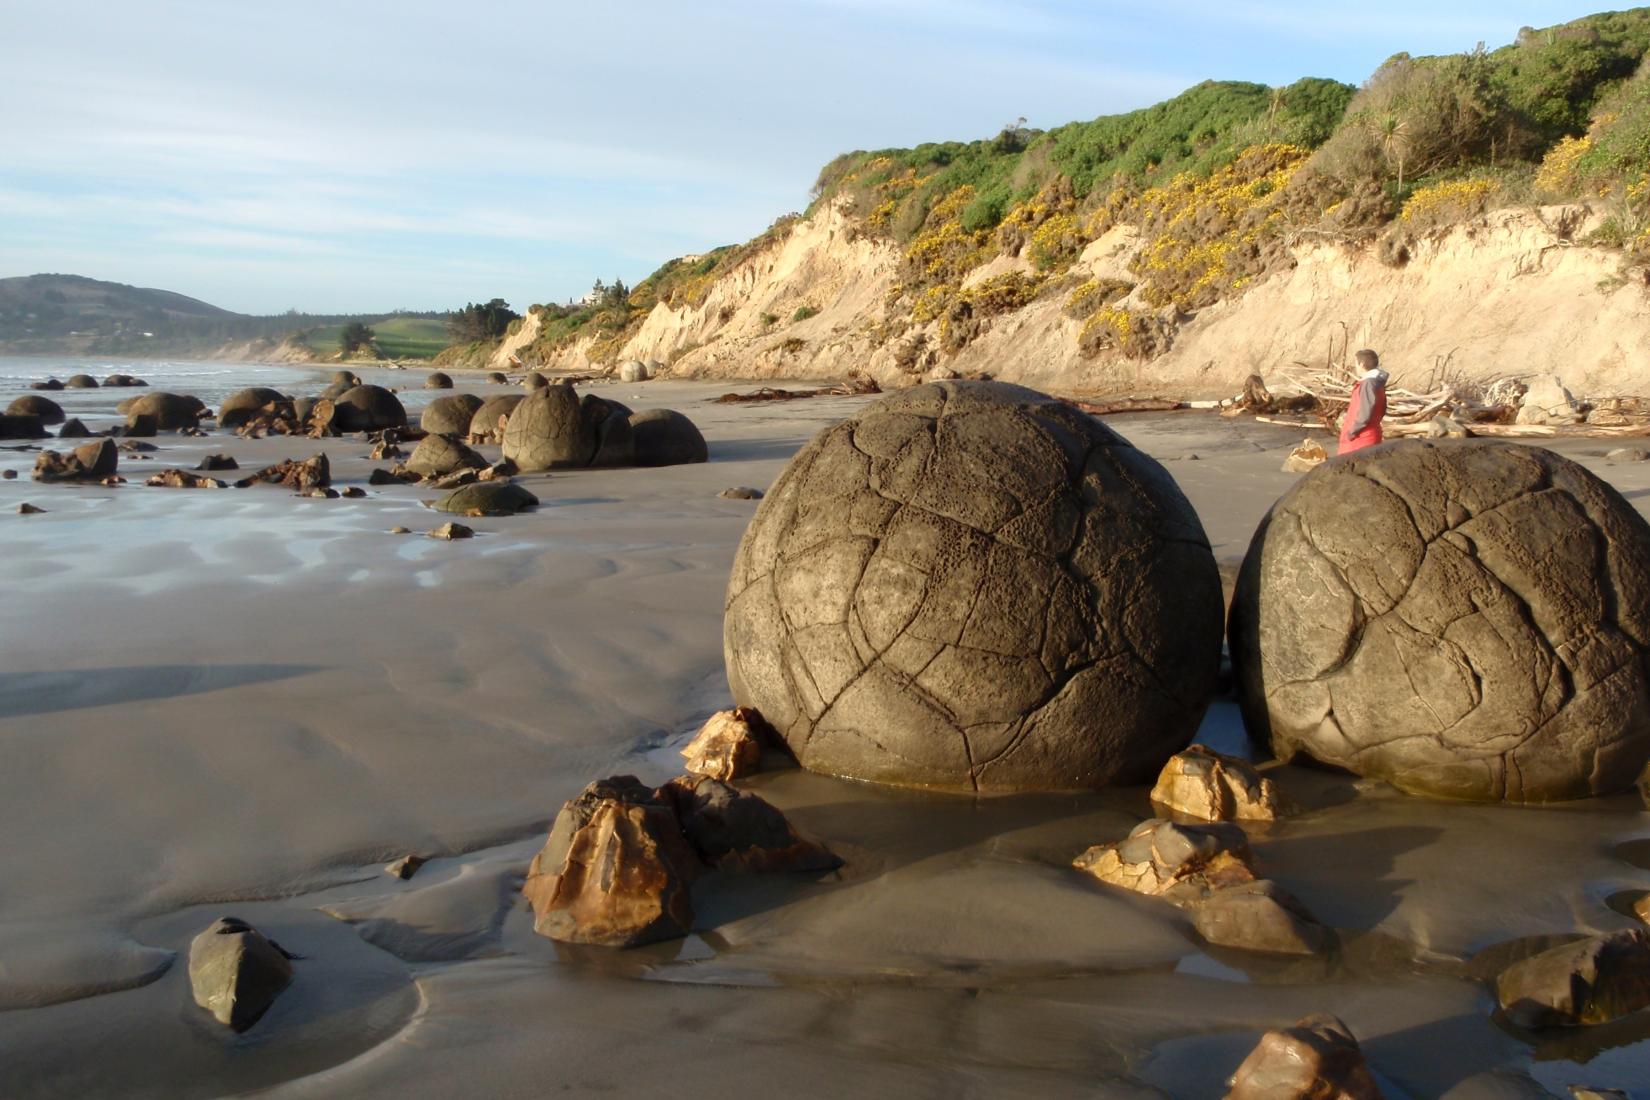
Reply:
x=76, y=315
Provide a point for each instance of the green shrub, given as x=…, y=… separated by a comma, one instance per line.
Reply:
x=804, y=312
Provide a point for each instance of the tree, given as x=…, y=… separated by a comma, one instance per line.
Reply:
x=486, y=321
x=356, y=335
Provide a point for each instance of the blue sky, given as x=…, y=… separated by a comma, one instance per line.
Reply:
x=351, y=155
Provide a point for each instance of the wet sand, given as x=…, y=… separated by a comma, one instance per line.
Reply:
x=244, y=702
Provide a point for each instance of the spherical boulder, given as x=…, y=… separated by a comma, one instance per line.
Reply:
x=438, y=380
x=633, y=371
x=438, y=455
x=550, y=429
x=81, y=382
x=30, y=404
x=450, y=415
x=368, y=409
x=533, y=380
x=498, y=378
x=170, y=411
x=664, y=437
x=487, y=498
x=971, y=586
x=484, y=424
x=1462, y=618
x=346, y=378
x=615, y=440
x=243, y=405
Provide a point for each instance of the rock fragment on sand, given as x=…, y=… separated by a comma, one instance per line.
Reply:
x=633, y=371
x=236, y=972
x=87, y=462
x=73, y=428
x=218, y=462
x=405, y=867
x=728, y=745
x=9, y=475
x=27, y=509
x=741, y=492
x=732, y=829
x=1627, y=454
x=1180, y=862
x=1211, y=786
x=1316, y=1059
x=1592, y=981
x=311, y=473
x=1307, y=455
x=354, y=492
x=184, y=479
x=320, y=493
x=615, y=870
x=450, y=531
x=399, y=530
x=1260, y=916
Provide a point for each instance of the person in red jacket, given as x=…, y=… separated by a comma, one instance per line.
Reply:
x=1362, y=425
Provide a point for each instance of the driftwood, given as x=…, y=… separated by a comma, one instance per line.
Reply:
x=1126, y=405
x=854, y=387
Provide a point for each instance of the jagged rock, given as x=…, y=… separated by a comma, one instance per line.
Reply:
x=488, y=421
x=1260, y=916
x=17, y=426
x=664, y=437
x=450, y=531
x=1182, y=863
x=32, y=404
x=450, y=415
x=1592, y=981
x=728, y=745
x=438, y=455
x=218, y=462
x=367, y=409
x=48, y=384
x=196, y=432
x=469, y=475
x=1546, y=401
x=741, y=492
x=354, y=492
x=615, y=870
x=311, y=473
x=320, y=493
x=633, y=371
x=1316, y=1059
x=171, y=411
x=27, y=509
x=533, y=380
x=438, y=380
x=81, y=382
x=244, y=405
x=73, y=429
x=1464, y=619
x=487, y=498
x=1209, y=785
x=236, y=972
x=183, y=479
x=935, y=591
x=739, y=831
x=132, y=446
x=1307, y=455
x=87, y=462
x=405, y=867
x=550, y=429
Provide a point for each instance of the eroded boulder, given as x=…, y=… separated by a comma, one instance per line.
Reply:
x=450, y=415
x=972, y=586
x=438, y=380
x=184, y=479
x=533, y=380
x=244, y=405
x=1546, y=401
x=1592, y=981
x=1316, y=1059
x=80, y=382
x=551, y=429
x=1212, y=786
x=1183, y=863
x=1307, y=455
x=1466, y=619
x=664, y=437
x=235, y=972
x=170, y=412
x=367, y=409
x=498, y=378
x=438, y=455
x=32, y=404
x=87, y=462
x=73, y=429
x=633, y=371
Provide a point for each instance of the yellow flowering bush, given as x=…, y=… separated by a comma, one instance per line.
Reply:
x=1449, y=202
x=1557, y=174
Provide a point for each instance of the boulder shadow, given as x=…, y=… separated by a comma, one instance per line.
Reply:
x=48, y=692
x=1358, y=893
x=745, y=450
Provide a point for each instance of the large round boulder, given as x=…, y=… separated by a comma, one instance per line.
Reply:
x=1467, y=619
x=487, y=498
x=171, y=411
x=243, y=405
x=633, y=371
x=498, y=378
x=81, y=382
x=664, y=437
x=484, y=424
x=32, y=404
x=438, y=380
x=368, y=409
x=550, y=429
x=450, y=415
x=971, y=586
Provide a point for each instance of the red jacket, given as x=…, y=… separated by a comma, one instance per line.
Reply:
x=1362, y=425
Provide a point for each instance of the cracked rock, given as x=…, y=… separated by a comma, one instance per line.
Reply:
x=971, y=586
x=1181, y=863
x=1465, y=619
x=1205, y=784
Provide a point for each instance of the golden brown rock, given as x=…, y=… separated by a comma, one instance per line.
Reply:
x=184, y=479
x=308, y=474
x=1309, y=455
x=1211, y=786
x=728, y=746
x=1181, y=863
x=1316, y=1059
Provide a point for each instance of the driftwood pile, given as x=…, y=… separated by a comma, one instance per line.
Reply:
x=853, y=387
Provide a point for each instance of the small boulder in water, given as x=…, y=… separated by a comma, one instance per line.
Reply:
x=447, y=532
x=1592, y=981
x=81, y=382
x=1260, y=916
x=218, y=462
x=438, y=380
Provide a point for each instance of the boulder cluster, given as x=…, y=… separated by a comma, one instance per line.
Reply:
x=552, y=427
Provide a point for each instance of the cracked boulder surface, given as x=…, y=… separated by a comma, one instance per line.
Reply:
x=971, y=586
x=1465, y=619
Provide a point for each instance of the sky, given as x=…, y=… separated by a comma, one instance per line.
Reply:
x=366, y=155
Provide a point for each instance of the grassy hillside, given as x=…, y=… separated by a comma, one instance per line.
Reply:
x=399, y=336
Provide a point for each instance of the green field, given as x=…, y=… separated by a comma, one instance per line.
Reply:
x=397, y=337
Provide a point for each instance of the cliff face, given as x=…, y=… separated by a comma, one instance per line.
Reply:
x=1508, y=293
